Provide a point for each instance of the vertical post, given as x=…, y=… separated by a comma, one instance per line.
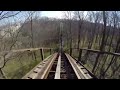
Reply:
x=42, y=54
x=50, y=51
x=34, y=55
x=28, y=53
x=80, y=54
x=70, y=51
x=60, y=38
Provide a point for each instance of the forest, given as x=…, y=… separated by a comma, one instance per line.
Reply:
x=94, y=30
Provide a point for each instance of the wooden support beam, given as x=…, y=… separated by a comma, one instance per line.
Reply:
x=80, y=54
x=70, y=51
x=50, y=51
x=42, y=53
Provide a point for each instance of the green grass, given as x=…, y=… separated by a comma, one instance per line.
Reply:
x=16, y=69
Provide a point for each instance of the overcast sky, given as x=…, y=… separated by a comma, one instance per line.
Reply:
x=22, y=16
x=55, y=14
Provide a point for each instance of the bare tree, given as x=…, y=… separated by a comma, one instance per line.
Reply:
x=68, y=16
x=6, y=55
x=102, y=42
x=80, y=17
x=95, y=18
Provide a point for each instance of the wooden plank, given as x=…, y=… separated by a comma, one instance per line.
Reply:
x=39, y=65
x=52, y=71
x=43, y=63
x=32, y=75
x=37, y=70
x=79, y=72
x=90, y=73
x=83, y=73
x=88, y=76
x=57, y=74
x=84, y=70
x=81, y=67
x=43, y=74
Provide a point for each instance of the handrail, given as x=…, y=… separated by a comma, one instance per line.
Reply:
x=28, y=49
x=98, y=51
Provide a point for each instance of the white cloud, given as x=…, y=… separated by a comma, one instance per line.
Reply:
x=54, y=14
